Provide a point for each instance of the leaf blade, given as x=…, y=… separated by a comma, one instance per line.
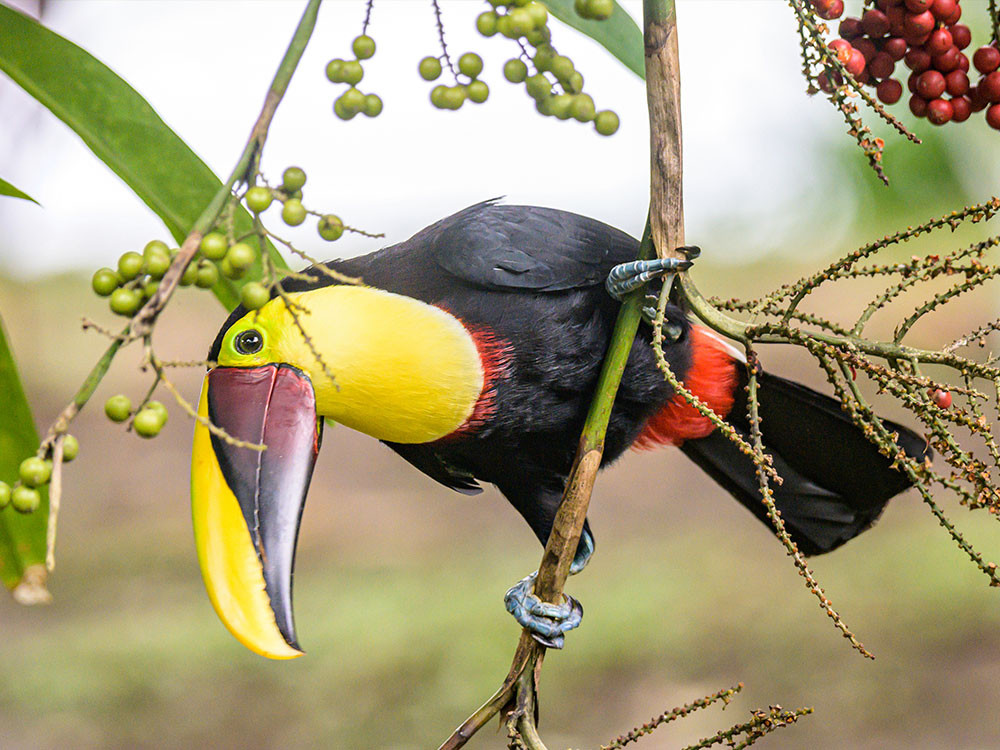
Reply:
x=619, y=34
x=9, y=190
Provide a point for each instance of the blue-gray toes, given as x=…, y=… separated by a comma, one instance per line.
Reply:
x=626, y=277
x=584, y=551
x=547, y=622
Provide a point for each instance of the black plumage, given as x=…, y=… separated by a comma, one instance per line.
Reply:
x=534, y=278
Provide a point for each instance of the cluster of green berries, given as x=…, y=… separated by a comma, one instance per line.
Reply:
x=352, y=101
x=33, y=474
x=136, y=278
x=147, y=422
x=595, y=10
x=470, y=65
x=527, y=20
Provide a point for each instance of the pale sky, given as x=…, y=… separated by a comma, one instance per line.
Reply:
x=752, y=137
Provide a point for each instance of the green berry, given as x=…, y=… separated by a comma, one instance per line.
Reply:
x=353, y=100
x=515, y=70
x=105, y=281
x=254, y=295
x=582, y=108
x=157, y=263
x=486, y=23
x=606, y=122
x=477, y=91
x=575, y=83
x=293, y=212
x=156, y=246
x=373, y=105
x=600, y=10
x=208, y=275
x=4, y=495
x=190, y=274
x=470, y=64
x=539, y=36
x=129, y=265
x=125, y=301
x=454, y=97
x=543, y=58
x=363, y=47
x=341, y=110
x=71, y=447
x=521, y=22
x=292, y=179
x=335, y=70
x=118, y=408
x=562, y=67
x=258, y=199
x=214, y=245
x=227, y=270
x=35, y=472
x=430, y=68
x=150, y=288
x=538, y=86
x=147, y=423
x=159, y=409
x=561, y=104
x=330, y=227
x=539, y=14
x=437, y=95
x=25, y=499
x=353, y=72
x=241, y=256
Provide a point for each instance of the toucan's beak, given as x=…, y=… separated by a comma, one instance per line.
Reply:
x=246, y=504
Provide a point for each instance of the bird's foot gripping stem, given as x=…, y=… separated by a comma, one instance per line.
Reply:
x=627, y=277
x=548, y=623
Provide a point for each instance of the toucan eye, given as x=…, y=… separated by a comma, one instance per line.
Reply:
x=248, y=342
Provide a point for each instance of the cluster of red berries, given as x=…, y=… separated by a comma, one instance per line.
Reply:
x=927, y=37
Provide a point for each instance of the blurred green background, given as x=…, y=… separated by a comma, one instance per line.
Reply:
x=400, y=582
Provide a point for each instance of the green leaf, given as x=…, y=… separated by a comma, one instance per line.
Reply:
x=119, y=126
x=7, y=189
x=618, y=34
x=22, y=537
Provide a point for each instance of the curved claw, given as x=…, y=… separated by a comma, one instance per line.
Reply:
x=547, y=622
x=626, y=277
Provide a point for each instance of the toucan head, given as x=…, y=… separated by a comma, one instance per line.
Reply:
x=387, y=365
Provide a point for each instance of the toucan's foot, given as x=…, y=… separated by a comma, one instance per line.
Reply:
x=672, y=330
x=584, y=551
x=547, y=622
x=626, y=277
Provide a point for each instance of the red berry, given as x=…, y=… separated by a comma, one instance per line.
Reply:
x=948, y=61
x=866, y=47
x=918, y=6
x=889, y=91
x=875, y=23
x=911, y=82
x=962, y=108
x=843, y=49
x=918, y=24
x=989, y=87
x=886, y=4
x=986, y=59
x=939, y=41
x=940, y=111
x=953, y=18
x=931, y=84
x=918, y=106
x=881, y=66
x=956, y=83
x=993, y=117
x=850, y=28
x=962, y=35
x=829, y=9
x=944, y=9
x=896, y=15
x=895, y=48
x=823, y=81
x=977, y=100
x=940, y=397
x=918, y=60
x=963, y=62
x=855, y=63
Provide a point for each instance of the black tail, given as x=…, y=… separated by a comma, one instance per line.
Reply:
x=836, y=483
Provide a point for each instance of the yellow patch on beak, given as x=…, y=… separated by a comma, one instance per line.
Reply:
x=229, y=563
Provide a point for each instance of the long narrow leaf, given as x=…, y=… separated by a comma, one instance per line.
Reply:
x=7, y=189
x=619, y=34
x=118, y=125
x=22, y=537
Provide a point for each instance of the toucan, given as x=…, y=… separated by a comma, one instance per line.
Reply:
x=472, y=350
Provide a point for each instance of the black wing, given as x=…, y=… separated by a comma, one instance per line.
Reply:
x=525, y=247
x=427, y=460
